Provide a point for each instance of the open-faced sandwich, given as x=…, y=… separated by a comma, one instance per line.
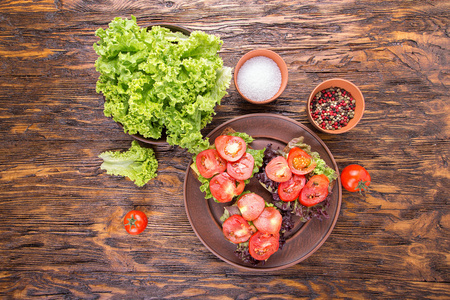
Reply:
x=298, y=179
x=226, y=167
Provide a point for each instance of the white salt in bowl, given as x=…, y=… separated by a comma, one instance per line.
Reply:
x=260, y=76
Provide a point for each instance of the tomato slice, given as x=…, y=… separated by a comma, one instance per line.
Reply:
x=231, y=148
x=269, y=221
x=251, y=206
x=278, y=169
x=210, y=163
x=224, y=188
x=241, y=169
x=240, y=186
x=315, y=190
x=300, y=162
x=289, y=190
x=237, y=230
x=262, y=246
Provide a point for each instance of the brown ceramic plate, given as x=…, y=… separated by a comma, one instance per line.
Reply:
x=204, y=215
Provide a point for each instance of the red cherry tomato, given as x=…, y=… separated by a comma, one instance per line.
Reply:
x=355, y=178
x=224, y=188
x=289, y=190
x=269, y=221
x=315, y=190
x=231, y=148
x=135, y=222
x=278, y=169
x=241, y=169
x=251, y=206
x=209, y=163
x=262, y=246
x=237, y=230
x=300, y=162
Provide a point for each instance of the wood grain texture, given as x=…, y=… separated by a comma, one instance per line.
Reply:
x=61, y=234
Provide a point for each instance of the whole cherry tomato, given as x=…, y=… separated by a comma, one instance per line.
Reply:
x=355, y=178
x=135, y=222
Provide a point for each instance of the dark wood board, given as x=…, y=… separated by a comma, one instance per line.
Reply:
x=61, y=234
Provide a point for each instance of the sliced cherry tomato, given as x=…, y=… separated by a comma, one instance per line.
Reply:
x=262, y=246
x=278, y=169
x=135, y=222
x=231, y=148
x=300, y=162
x=289, y=190
x=241, y=169
x=315, y=190
x=355, y=178
x=210, y=163
x=224, y=188
x=237, y=230
x=251, y=206
x=269, y=221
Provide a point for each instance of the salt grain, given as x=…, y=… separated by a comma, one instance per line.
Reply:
x=259, y=78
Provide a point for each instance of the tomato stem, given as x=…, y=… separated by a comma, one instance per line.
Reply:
x=131, y=222
x=362, y=186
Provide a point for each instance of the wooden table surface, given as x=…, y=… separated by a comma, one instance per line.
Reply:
x=60, y=231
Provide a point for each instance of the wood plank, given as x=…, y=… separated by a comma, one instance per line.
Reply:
x=61, y=234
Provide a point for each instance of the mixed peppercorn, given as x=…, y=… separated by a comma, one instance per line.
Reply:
x=332, y=108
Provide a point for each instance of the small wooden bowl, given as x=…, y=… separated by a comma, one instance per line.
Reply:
x=276, y=58
x=349, y=87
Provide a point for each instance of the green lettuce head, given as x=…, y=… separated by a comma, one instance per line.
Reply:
x=156, y=80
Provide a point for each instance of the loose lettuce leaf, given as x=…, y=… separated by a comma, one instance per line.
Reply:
x=138, y=163
x=157, y=81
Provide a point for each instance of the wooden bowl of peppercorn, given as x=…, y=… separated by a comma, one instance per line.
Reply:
x=335, y=106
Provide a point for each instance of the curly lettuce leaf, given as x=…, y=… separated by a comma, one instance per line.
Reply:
x=157, y=81
x=138, y=163
x=247, y=138
x=258, y=155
